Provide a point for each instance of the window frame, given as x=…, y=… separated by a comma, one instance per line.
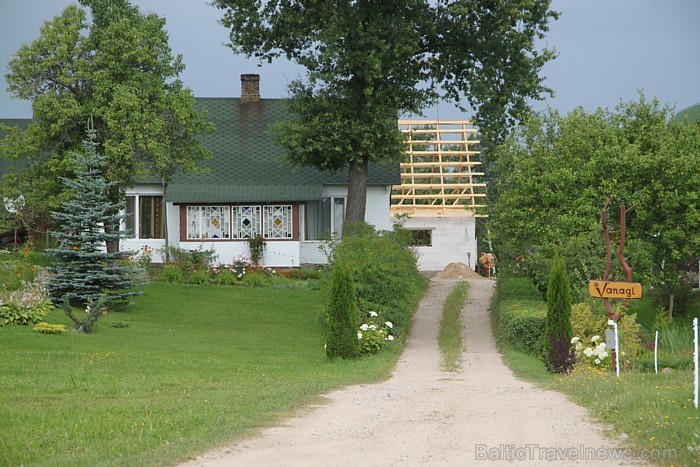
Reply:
x=136, y=218
x=333, y=202
x=237, y=213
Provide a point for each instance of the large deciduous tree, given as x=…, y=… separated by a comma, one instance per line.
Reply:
x=104, y=60
x=556, y=172
x=370, y=61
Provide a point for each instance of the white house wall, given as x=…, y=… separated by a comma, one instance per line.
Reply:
x=453, y=241
x=278, y=253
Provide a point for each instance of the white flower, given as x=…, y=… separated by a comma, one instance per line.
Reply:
x=373, y=327
x=373, y=313
x=389, y=324
x=575, y=340
x=359, y=335
x=588, y=352
x=579, y=346
x=595, y=339
x=597, y=362
x=601, y=346
x=87, y=309
x=390, y=337
x=603, y=355
x=364, y=327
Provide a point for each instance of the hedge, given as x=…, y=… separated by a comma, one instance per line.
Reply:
x=521, y=314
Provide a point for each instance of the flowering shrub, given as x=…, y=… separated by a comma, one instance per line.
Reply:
x=374, y=333
x=595, y=354
x=29, y=304
x=14, y=273
x=239, y=268
x=143, y=257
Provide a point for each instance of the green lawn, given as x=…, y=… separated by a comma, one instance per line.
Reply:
x=195, y=368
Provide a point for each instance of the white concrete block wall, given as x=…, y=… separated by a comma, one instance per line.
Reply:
x=378, y=203
x=453, y=241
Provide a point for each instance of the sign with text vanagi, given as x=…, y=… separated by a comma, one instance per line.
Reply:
x=606, y=289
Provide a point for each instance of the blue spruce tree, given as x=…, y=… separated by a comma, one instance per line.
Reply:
x=84, y=274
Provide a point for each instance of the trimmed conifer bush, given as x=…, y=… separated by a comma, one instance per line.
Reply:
x=342, y=314
x=558, y=355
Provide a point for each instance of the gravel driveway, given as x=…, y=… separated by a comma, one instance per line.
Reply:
x=481, y=415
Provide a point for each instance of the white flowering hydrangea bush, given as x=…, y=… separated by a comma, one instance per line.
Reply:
x=593, y=354
x=374, y=333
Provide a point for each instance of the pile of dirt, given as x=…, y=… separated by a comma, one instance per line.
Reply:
x=455, y=271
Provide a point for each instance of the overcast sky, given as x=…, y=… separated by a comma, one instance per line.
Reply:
x=608, y=49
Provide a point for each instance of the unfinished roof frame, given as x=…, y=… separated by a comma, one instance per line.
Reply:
x=438, y=177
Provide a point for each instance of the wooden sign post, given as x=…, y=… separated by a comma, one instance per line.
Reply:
x=606, y=289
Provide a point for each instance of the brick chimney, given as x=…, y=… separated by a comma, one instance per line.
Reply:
x=250, y=88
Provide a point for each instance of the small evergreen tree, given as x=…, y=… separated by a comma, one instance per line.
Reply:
x=84, y=274
x=558, y=355
x=343, y=316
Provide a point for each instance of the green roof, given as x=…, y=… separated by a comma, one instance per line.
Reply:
x=247, y=166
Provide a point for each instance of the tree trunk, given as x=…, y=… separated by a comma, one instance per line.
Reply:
x=670, y=307
x=357, y=193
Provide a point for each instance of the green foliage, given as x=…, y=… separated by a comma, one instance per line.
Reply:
x=557, y=355
x=119, y=324
x=366, y=64
x=189, y=260
x=83, y=271
x=384, y=270
x=48, y=328
x=225, y=278
x=255, y=279
x=13, y=313
x=588, y=320
x=110, y=62
x=171, y=274
x=520, y=314
x=342, y=315
x=14, y=273
x=555, y=173
x=257, y=247
x=85, y=320
x=199, y=277
x=630, y=342
x=374, y=333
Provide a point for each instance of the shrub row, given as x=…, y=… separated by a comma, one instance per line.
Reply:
x=521, y=314
x=200, y=267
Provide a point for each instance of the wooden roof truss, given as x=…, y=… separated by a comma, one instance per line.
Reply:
x=438, y=173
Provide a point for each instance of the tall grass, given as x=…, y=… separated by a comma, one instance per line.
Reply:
x=195, y=368
x=450, y=335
